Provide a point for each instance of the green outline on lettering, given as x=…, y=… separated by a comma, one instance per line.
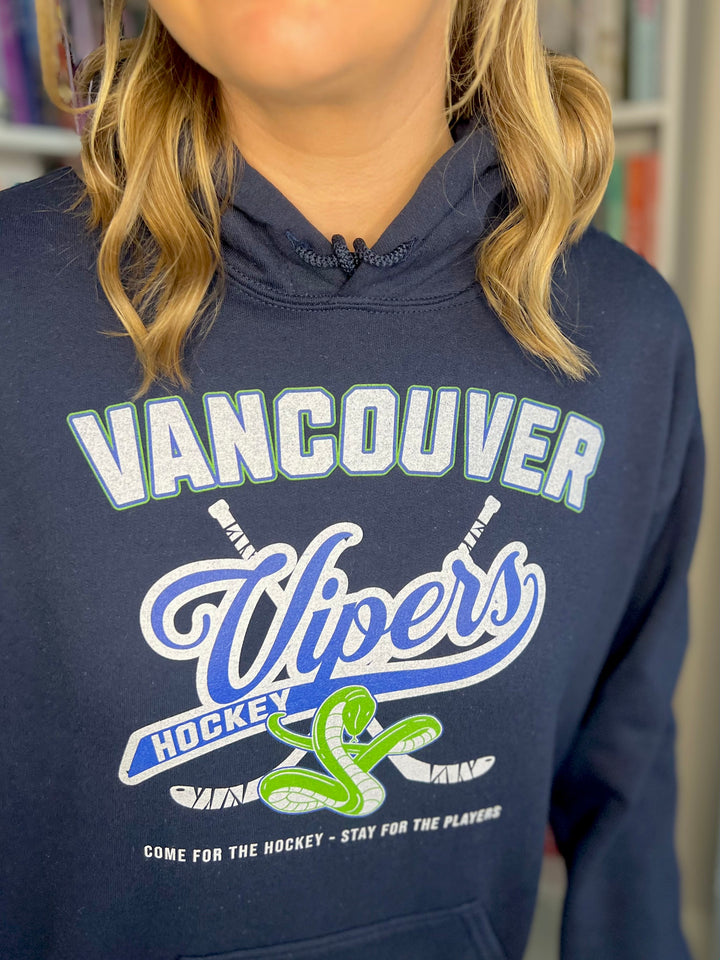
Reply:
x=490, y=415
x=369, y=473
x=243, y=472
x=184, y=479
x=102, y=422
x=430, y=416
x=566, y=486
x=370, y=429
x=306, y=442
x=510, y=486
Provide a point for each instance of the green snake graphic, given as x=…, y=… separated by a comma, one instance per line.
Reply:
x=349, y=789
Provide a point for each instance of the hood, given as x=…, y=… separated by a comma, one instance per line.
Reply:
x=427, y=250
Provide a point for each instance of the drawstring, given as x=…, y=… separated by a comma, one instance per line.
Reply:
x=347, y=259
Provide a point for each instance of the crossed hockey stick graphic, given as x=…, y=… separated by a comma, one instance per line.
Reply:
x=218, y=798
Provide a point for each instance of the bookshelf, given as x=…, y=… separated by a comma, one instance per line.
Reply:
x=35, y=137
x=28, y=150
x=37, y=140
x=660, y=122
x=642, y=126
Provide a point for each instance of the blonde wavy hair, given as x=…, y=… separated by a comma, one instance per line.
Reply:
x=156, y=151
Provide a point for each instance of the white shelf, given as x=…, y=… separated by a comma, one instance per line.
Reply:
x=655, y=122
x=630, y=114
x=544, y=938
x=59, y=141
x=38, y=139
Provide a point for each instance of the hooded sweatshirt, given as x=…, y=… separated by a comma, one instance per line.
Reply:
x=301, y=661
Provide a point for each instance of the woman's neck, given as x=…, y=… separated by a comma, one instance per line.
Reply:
x=350, y=168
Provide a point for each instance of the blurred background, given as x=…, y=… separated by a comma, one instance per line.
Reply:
x=660, y=62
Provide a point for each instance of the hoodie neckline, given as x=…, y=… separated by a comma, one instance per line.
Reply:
x=427, y=251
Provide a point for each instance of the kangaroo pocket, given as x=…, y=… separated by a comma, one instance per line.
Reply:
x=460, y=933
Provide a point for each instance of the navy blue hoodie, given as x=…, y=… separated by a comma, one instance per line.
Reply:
x=300, y=662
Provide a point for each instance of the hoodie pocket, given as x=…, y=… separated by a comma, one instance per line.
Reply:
x=457, y=933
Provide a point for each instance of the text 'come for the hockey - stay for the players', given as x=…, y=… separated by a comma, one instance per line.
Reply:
x=301, y=842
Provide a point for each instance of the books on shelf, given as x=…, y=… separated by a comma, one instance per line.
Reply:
x=645, y=49
x=629, y=208
x=22, y=98
x=85, y=28
x=641, y=195
x=600, y=42
x=16, y=100
x=557, y=24
x=550, y=848
x=619, y=40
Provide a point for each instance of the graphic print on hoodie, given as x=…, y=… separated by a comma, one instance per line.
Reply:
x=322, y=642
